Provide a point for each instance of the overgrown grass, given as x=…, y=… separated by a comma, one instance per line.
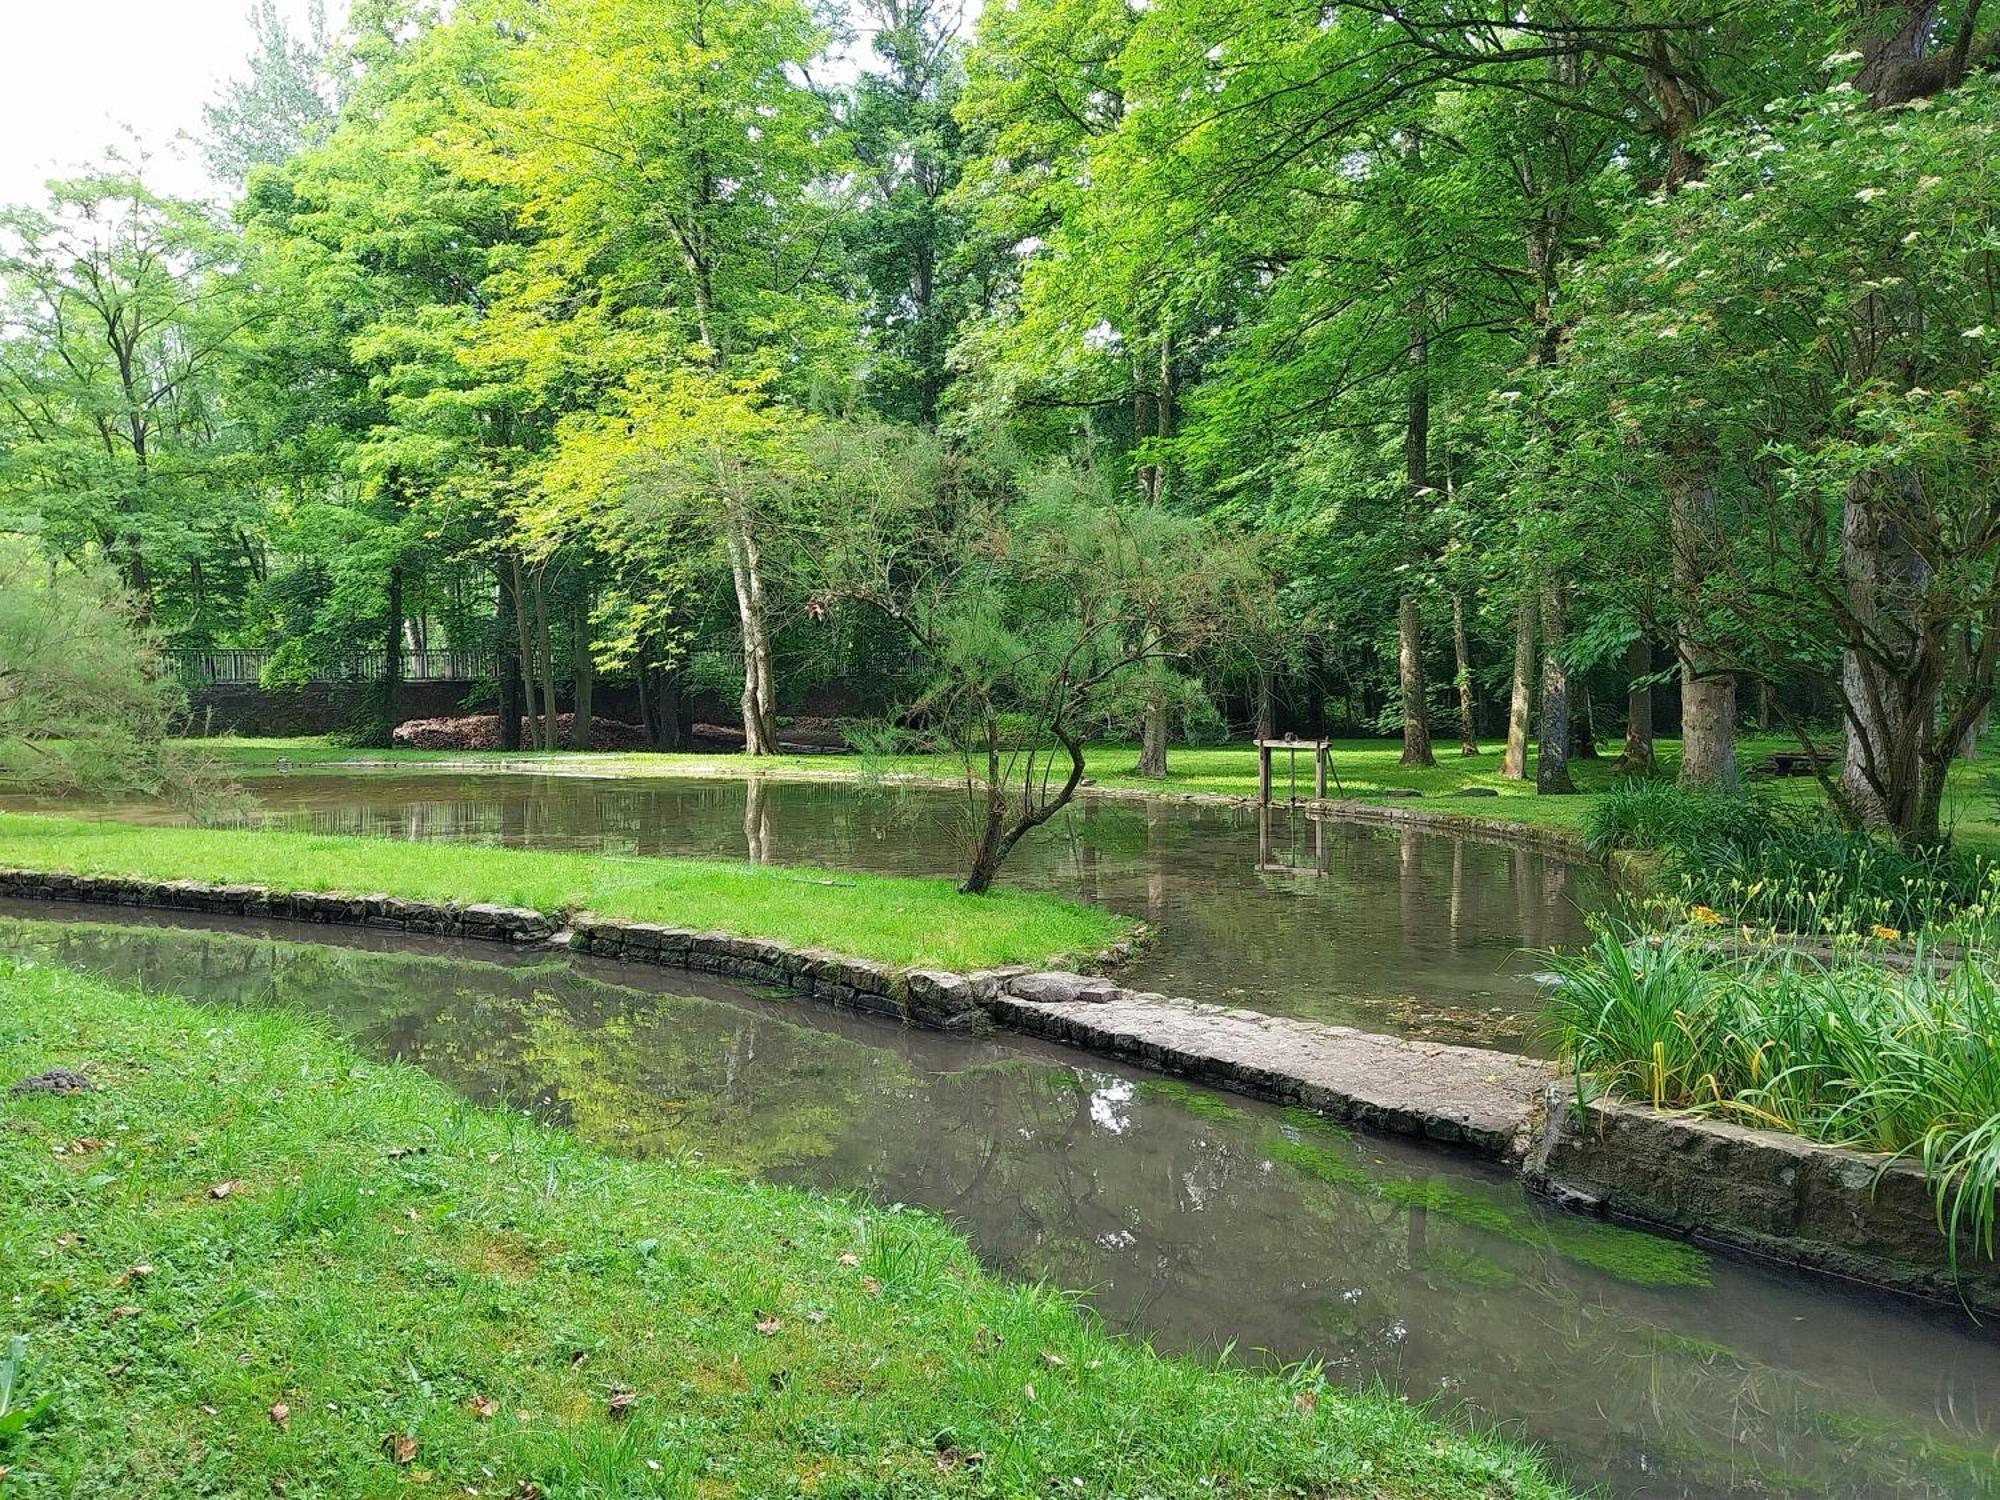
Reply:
x=892, y=919
x=250, y=1263
x=1747, y=859
x=1850, y=1053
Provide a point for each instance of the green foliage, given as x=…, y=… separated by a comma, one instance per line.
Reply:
x=1905, y=1062
x=1751, y=861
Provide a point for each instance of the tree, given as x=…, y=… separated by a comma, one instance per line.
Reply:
x=120, y=310
x=86, y=706
x=284, y=105
x=1026, y=599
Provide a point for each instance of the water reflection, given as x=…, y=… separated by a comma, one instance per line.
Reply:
x=1388, y=929
x=1199, y=1218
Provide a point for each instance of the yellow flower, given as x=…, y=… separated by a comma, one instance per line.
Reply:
x=1706, y=915
x=1886, y=934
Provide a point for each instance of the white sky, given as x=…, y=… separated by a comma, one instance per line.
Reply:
x=77, y=76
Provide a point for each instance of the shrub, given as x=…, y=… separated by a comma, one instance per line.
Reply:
x=1752, y=862
x=1849, y=1053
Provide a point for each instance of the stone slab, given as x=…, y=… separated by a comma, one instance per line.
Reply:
x=1465, y=1096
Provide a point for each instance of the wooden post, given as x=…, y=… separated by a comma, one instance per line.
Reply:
x=1264, y=773
x=1320, y=754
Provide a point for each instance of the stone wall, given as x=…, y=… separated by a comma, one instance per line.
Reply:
x=1815, y=1207
x=315, y=707
x=507, y=924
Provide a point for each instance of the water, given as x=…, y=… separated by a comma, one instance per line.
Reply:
x=1646, y=1367
x=1413, y=933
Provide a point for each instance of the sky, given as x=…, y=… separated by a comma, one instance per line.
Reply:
x=77, y=76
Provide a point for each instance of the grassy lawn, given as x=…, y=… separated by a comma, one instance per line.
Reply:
x=251, y=1263
x=892, y=919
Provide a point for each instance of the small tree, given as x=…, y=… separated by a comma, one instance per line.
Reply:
x=84, y=704
x=1026, y=599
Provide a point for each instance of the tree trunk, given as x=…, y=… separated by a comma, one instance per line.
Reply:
x=1468, y=725
x=545, y=664
x=1708, y=692
x=1153, y=736
x=1582, y=723
x=1521, y=693
x=1552, y=751
x=508, y=657
x=759, y=702
x=389, y=693
x=586, y=677
x=1637, y=756
x=1891, y=692
x=1416, y=487
x=525, y=647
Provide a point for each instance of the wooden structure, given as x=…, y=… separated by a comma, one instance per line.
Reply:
x=1322, y=765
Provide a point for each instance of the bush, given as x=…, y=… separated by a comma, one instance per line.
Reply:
x=1746, y=860
x=1852, y=1054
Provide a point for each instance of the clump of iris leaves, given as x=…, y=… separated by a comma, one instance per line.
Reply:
x=1717, y=1009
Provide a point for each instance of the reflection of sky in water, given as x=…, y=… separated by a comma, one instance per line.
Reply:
x=1108, y=1106
x=1419, y=934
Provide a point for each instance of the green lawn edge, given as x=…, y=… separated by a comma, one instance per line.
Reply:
x=898, y=920
x=251, y=1262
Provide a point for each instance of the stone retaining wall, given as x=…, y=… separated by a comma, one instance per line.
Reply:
x=1778, y=1196
x=925, y=997
x=507, y=924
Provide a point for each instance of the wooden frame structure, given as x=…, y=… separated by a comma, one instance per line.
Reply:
x=1322, y=765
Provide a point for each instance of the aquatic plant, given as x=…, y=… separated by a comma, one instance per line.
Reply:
x=1851, y=1053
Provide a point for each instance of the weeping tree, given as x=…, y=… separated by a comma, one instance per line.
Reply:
x=1028, y=601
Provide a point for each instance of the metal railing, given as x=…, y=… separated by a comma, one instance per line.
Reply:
x=246, y=668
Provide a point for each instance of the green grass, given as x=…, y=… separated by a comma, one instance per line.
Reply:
x=1903, y=1062
x=401, y=1293
x=891, y=919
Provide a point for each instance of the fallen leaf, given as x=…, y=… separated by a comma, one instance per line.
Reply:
x=223, y=1189
x=1029, y=1391
x=621, y=1404
x=768, y=1326
x=871, y=1286
x=400, y=1447
x=1053, y=1360
x=578, y=1358
x=127, y=1311
x=280, y=1415
x=850, y=1259
x=522, y=1414
x=118, y=1369
x=1306, y=1400
x=482, y=1407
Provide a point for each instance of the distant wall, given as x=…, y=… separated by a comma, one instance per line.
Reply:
x=317, y=707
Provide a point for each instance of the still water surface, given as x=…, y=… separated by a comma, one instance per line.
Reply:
x=1415, y=933
x=1645, y=1366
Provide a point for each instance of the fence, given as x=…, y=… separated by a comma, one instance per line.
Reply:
x=199, y=669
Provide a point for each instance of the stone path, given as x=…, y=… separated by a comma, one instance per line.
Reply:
x=1463, y=1095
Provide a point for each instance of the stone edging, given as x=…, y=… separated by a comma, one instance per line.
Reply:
x=1820, y=1208
x=1809, y=1206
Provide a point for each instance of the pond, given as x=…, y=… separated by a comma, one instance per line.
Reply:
x=1419, y=934
x=1645, y=1366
